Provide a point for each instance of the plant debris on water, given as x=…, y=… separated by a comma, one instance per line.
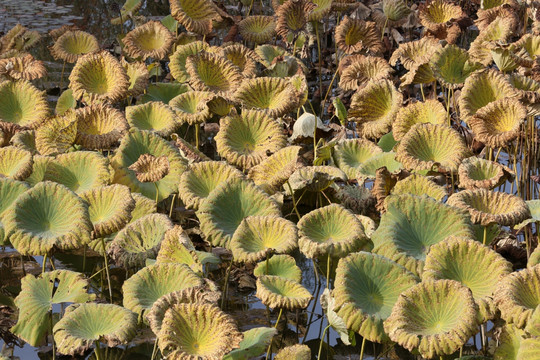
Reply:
x=258, y=179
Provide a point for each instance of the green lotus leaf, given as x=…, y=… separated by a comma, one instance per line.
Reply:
x=130, y=8
x=253, y=344
x=65, y=102
x=274, y=171
x=529, y=348
x=228, y=204
x=518, y=295
x=242, y=57
x=361, y=70
x=428, y=147
x=9, y=191
x=510, y=340
x=477, y=173
x=355, y=36
x=368, y=223
x=529, y=46
x=418, y=74
x=352, y=153
x=154, y=116
x=151, y=40
x=201, y=179
x=15, y=163
x=482, y=88
x=196, y=16
x=452, y=66
x=138, y=75
x=139, y=240
x=220, y=106
x=39, y=294
x=47, y=216
x=487, y=207
x=256, y=235
x=430, y=111
x=278, y=292
x=474, y=265
x=99, y=77
x=245, y=139
x=267, y=53
x=143, y=206
x=294, y=352
x=358, y=199
x=163, y=92
x=109, y=207
x=434, y=317
x=144, y=288
x=534, y=257
x=192, y=107
x=374, y=108
x=533, y=325
x=279, y=265
x=419, y=185
x=369, y=168
x=80, y=171
x=22, y=105
x=257, y=29
x=25, y=139
x=137, y=143
x=330, y=230
x=315, y=178
x=498, y=123
x=526, y=88
x=499, y=30
x=178, y=59
x=411, y=224
x=272, y=96
x=83, y=324
x=99, y=127
x=191, y=331
x=367, y=288
x=210, y=72
x=72, y=45
x=38, y=169
x=57, y=134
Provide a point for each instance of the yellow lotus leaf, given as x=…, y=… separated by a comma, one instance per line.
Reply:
x=15, y=163
x=178, y=59
x=72, y=45
x=257, y=28
x=154, y=116
x=362, y=70
x=438, y=13
x=210, y=72
x=431, y=111
x=278, y=292
x=350, y=154
x=527, y=92
x=358, y=199
x=292, y=18
x=196, y=16
x=22, y=68
x=416, y=184
x=21, y=106
x=413, y=53
x=138, y=75
x=99, y=126
x=243, y=57
x=192, y=107
x=477, y=173
x=452, y=65
x=355, y=36
x=497, y=31
x=151, y=40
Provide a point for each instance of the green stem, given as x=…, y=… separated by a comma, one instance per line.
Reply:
x=84, y=258
x=293, y=200
x=172, y=205
x=157, y=193
x=322, y=340
x=53, y=345
x=226, y=284
x=97, y=350
x=107, y=268
x=320, y=62
x=328, y=263
x=362, y=349
x=197, y=136
x=44, y=263
x=275, y=326
x=485, y=235
x=422, y=91
x=384, y=29
x=315, y=271
x=154, y=350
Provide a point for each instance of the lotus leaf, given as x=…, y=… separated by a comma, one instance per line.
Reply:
x=419, y=185
x=99, y=77
x=350, y=154
x=151, y=40
x=137, y=143
x=243, y=58
x=246, y=139
x=430, y=111
x=163, y=92
x=292, y=18
x=196, y=16
x=411, y=224
x=452, y=66
x=527, y=88
x=15, y=163
x=510, y=341
x=355, y=36
x=138, y=75
x=428, y=147
x=476, y=173
x=438, y=13
x=414, y=53
x=22, y=68
x=518, y=295
x=47, y=216
x=99, y=126
x=57, y=134
x=139, y=240
x=315, y=178
x=392, y=12
x=109, y=207
x=367, y=287
x=149, y=168
x=278, y=292
x=143, y=206
x=228, y=204
x=83, y=324
x=363, y=69
x=179, y=57
x=210, y=72
x=534, y=258
x=369, y=168
x=154, y=116
x=294, y=352
x=474, y=265
x=9, y=191
x=65, y=102
x=279, y=265
x=191, y=331
x=330, y=230
x=21, y=106
x=499, y=30
x=256, y=235
x=374, y=108
x=487, y=207
x=358, y=199
x=129, y=9
x=144, y=288
x=257, y=29
x=72, y=45
x=192, y=107
x=39, y=294
x=436, y=317
x=274, y=171
x=38, y=169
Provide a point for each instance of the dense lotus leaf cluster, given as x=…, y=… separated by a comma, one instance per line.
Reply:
x=212, y=153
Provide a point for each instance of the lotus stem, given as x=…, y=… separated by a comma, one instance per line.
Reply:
x=482, y=337
x=107, y=268
x=275, y=327
x=328, y=264
x=362, y=348
x=497, y=154
x=293, y=200
x=250, y=7
x=197, y=136
x=22, y=265
x=62, y=75
x=226, y=284
x=461, y=352
x=172, y=205
x=448, y=107
x=315, y=271
x=384, y=28
x=97, y=350
x=84, y=258
x=490, y=154
x=44, y=263
x=53, y=345
x=157, y=194
x=154, y=350
x=485, y=236
x=322, y=341
x=422, y=91
x=328, y=90
x=51, y=261
x=278, y=318
x=320, y=66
